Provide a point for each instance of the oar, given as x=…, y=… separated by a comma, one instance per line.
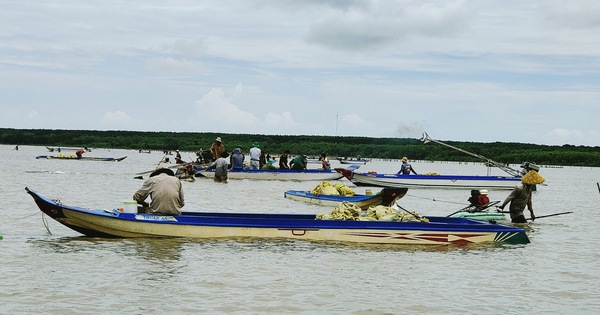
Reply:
x=461, y=210
x=551, y=215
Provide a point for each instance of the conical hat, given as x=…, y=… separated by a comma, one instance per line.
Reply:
x=532, y=178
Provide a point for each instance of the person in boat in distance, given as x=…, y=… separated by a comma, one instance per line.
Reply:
x=324, y=162
x=79, y=153
x=165, y=191
x=406, y=168
x=217, y=148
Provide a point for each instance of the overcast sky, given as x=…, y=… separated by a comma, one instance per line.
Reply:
x=483, y=71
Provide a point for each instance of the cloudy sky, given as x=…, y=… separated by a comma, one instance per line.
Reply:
x=484, y=71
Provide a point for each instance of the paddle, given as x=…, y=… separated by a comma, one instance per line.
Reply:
x=551, y=215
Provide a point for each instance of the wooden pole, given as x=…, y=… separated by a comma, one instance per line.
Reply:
x=551, y=215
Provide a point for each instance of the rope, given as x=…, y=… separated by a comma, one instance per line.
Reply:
x=46, y=223
x=25, y=217
x=437, y=200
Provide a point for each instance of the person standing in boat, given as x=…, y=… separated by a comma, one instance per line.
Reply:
x=406, y=168
x=79, y=153
x=220, y=165
x=521, y=197
x=165, y=191
x=217, y=148
x=283, y=160
x=255, y=154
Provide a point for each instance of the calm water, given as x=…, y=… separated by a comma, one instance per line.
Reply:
x=54, y=270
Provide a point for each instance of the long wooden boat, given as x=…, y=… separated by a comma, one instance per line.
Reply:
x=439, y=230
x=430, y=181
x=277, y=174
x=59, y=149
x=83, y=158
x=386, y=197
x=353, y=161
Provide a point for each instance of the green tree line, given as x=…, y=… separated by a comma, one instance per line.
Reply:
x=333, y=146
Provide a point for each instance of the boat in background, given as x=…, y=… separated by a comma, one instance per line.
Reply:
x=353, y=161
x=59, y=149
x=480, y=212
x=276, y=174
x=438, y=231
x=430, y=181
x=386, y=197
x=83, y=158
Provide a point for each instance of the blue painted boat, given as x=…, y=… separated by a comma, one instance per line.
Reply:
x=439, y=230
x=386, y=197
x=430, y=181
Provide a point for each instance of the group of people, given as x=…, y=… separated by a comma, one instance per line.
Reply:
x=167, y=198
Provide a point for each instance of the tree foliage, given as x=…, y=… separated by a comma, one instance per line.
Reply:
x=333, y=146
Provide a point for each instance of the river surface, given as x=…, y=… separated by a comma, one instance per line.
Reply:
x=47, y=268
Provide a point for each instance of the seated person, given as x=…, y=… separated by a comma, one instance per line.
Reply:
x=166, y=192
x=479, y=198
x=237, y=160
x=406, y=168
x=298, y=163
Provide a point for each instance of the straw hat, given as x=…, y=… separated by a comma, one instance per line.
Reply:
x=405, y=159
x=532, y=178
x=218, y=139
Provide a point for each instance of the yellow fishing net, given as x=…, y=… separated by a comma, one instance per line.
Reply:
x=349, y=211
x=532, y=178
x=326, y=188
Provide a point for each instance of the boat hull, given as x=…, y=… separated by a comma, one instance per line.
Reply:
x=440, y=230
x=432, y=181
x=278, y=174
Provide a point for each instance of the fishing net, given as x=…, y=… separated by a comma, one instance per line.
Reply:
x=326, y=188
x=349, y=211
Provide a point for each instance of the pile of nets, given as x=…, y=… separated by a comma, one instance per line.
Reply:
x=350, y=211
x=326, y=188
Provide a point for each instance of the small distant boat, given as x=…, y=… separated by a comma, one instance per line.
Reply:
x=83, y=158
x=357, y=161
x=59, y=149
x=386, y=197
x=438, y=231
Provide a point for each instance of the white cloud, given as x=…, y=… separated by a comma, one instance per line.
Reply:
x=218, y=112
x=116, y=117
x=171, y=66
x=33, y=115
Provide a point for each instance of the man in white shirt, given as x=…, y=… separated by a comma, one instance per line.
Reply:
x=255, y=156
